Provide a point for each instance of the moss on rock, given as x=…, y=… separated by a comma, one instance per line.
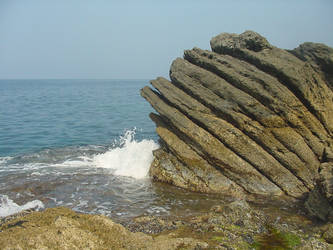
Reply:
x=62, y=228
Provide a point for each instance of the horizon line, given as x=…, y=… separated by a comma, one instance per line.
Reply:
x=128, y=79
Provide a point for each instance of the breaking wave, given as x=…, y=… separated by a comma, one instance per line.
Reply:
x=9, y=207
x=132, y=158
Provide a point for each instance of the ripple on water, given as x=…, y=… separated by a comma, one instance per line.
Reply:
x=90, y=179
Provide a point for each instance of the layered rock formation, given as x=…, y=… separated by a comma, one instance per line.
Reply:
x=245, y=118
x=320, y=200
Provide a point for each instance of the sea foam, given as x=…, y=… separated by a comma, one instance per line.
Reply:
x=131, y=158
x=9, y=207
x=3, y=160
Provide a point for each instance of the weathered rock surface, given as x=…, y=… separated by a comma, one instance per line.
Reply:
x=244, y=119
x=320, y=200
x=231, y=225
x=320, y=56
x=62, y=228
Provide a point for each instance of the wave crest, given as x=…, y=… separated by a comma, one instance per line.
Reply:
x=9, y=207
x=132, y=158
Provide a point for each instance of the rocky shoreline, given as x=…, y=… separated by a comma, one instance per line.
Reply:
x=247, y=119
x=235, y=225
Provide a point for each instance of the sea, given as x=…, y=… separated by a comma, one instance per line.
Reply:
x=86, y=145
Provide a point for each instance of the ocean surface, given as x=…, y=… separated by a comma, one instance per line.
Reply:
x=83, y=144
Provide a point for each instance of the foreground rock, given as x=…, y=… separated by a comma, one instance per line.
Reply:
x=61, y=228
x=235, y=225
x=244, y=119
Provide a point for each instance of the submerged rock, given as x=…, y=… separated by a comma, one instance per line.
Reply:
x=244, y=119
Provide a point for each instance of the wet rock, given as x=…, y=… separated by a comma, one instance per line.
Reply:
x=244, y=119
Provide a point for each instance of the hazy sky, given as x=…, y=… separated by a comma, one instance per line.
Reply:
x=138, y=39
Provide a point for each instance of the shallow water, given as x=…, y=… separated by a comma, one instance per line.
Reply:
x=97, y=179
x=73, y=143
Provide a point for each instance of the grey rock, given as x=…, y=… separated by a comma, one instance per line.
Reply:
x=232, y=137
x=319, y=202
x=212, y=150
x=279, y=106
x=298, y=76
x=328, y=234
x=246, y=119
x=184, y=168
x=248, y=40
x=319, y=56
x=326, y=179
x=317, y=205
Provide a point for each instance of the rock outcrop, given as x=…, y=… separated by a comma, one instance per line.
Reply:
x=235, y=225
x=246, y=118
x=320, y=56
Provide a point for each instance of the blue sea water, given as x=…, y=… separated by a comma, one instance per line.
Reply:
x=83, y=144
x=39, y=114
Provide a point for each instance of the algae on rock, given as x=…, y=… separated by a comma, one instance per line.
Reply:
x=62, y=228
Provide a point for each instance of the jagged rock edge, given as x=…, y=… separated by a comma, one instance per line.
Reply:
x=223, y=76
x=240, y=54
x=200, y=124
x=224, y=117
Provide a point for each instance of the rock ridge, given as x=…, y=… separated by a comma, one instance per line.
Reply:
x=246, y=118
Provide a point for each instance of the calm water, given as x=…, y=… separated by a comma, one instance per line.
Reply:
x=84, y=144
x=39, y=114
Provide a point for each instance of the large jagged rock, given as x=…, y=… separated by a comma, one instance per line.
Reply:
x=244, y=119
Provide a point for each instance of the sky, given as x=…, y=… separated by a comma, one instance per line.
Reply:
x=138, y=39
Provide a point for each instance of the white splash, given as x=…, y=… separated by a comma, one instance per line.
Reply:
x=78, y=162
x=3, y=160
x=9, y=207
x=132, y=158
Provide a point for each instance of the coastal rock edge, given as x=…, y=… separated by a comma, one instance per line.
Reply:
x=246, y=118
